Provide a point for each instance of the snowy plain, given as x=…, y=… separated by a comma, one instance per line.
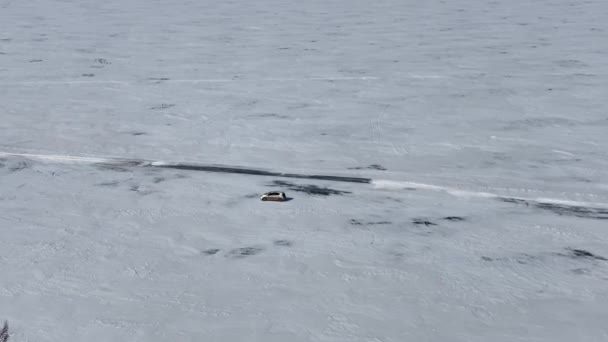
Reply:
x=478, y=127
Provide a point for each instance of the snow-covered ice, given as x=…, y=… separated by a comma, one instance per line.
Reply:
x=136, y=137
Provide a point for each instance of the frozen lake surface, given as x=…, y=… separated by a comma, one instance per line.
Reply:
x=136, y=137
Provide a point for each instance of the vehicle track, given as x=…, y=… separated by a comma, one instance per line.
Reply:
x=598, y=211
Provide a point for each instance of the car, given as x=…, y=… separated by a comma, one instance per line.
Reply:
x=274, y=196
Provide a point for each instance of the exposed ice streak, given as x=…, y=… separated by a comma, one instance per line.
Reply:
x=402, y=185
x=59, y=158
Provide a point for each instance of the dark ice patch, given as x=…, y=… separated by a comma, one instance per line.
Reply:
x=120, y=165
x=4, y=335
x=125, y=163
x=310, y=189
x=283, y=243
x=570, y=63
x=532, y=123
x=138, y=133
x=115, y=168
x=243, y=252
x=102, y=61
x=255, y=172
x=138, y=189
x=423, y=222
x=562, y=209
x=521, y=258
x=581, y=254
x=376, y=167
x=394, y=199
x=211, y=251
x=35, y=60
x=18, y=167
x=88, y=75
x=163, y=106
x=580, y=74
x=514, y=200
x=108, y=184
x=369, y=167
x=157, y=180
x=454, y=218
x=270, y=115
x=368, y=223
x=112, y=167
x=525, y=259
x=159, y=78
x=578, y=211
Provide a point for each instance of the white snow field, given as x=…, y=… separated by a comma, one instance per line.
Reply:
x=136, y=137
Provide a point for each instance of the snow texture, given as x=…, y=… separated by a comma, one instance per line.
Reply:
x=446, y=163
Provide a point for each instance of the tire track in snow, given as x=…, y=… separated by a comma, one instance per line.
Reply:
x=126, y=162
